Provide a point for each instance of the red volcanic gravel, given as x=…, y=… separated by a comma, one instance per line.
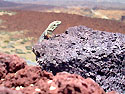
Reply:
x=37, y=22
x=31, y=80
x=10, y=64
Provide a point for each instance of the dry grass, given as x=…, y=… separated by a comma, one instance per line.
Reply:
x=112, y=14
x=16, y=45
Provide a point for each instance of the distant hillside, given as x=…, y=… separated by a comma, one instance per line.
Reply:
x=12, y=5
x=118, y=4
x=118, y=1
x=36, y=22
x=8, y=4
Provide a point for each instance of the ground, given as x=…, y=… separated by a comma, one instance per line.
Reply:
x=20, y=31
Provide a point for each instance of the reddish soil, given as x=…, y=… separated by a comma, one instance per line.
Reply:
x=37, y=22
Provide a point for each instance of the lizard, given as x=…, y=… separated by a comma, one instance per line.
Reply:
x=49, y=31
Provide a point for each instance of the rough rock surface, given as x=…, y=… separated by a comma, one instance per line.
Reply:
x=31, y=80
x=10, y=64
x=66, y=83
x=4, y=90
x=90, y=53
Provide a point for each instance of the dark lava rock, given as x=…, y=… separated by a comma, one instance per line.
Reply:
x=90, y=53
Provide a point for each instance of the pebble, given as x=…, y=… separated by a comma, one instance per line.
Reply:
x=37, y=89
x=52, y=88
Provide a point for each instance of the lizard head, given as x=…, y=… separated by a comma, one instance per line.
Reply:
x=52, y=26
x=55, y=23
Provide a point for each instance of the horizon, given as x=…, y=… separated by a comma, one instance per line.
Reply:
x=111, y=1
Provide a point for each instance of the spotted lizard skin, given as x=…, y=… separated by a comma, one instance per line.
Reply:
x=49, y=31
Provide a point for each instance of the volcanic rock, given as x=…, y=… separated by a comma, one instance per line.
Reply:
x=99, y=55
x=66, y=83
x=10, y=64
x=31, y=80
x=25, y=77
x=4, y=90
